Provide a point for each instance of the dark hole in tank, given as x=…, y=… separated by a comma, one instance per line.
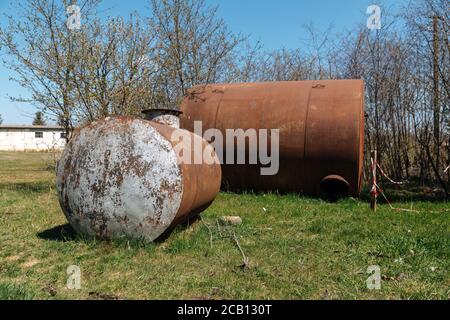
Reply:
x=333, y=188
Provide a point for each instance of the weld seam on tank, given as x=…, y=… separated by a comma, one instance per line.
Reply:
x=361, y=137
x=305, y=143
x=218, y=109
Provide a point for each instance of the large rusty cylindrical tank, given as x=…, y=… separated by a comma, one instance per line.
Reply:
x=122, y=177
x=321, y=131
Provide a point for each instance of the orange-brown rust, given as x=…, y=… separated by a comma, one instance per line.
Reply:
x=201, y=182
x=321, y=127
x=122, y=176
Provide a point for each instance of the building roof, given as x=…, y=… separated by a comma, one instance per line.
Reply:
x=12, y=126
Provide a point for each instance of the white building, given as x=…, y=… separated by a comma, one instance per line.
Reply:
x=31, y=138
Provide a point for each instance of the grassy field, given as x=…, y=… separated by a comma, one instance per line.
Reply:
x=298, y=248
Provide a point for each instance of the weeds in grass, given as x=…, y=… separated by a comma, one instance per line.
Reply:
x=9, y=291
x=296, y=248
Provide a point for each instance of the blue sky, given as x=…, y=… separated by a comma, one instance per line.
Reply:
x=276, y=24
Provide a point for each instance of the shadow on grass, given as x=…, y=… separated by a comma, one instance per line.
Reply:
x=411, y=191
x=29, y=187
x=406, y=193
x=268, y=192
x=178, y=228
x=63, y=233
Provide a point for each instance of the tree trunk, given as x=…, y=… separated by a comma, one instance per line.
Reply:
x=436, y=102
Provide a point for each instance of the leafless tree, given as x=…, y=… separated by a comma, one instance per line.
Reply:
x=427, y=23
x=193, y=45
x=40, y=52
x=121, y=66
x=115, y=71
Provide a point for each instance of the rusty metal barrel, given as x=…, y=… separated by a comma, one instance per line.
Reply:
x=321, y=131
x=123, y=177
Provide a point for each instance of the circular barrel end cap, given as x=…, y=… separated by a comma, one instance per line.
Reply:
x=333, y=188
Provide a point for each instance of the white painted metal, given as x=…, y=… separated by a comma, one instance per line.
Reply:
x=168, y=117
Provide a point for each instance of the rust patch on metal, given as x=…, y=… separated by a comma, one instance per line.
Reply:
x=321, y=129
x=121, y=177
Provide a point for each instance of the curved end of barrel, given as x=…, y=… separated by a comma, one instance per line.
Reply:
x=362, y=119
x=333, y=188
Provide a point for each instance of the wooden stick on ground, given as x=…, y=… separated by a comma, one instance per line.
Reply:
x=244, y=257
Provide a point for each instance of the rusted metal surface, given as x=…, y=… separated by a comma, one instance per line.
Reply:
x=321, y=127
x=168, y=117
x=122, y=177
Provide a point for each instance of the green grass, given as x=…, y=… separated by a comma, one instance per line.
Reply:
x=298, y=248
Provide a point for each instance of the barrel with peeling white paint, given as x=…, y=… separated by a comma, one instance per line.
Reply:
x=168, y=119
x=162, y=116
x=120, y=177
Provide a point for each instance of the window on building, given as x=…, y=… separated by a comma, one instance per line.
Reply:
x=38, y=134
